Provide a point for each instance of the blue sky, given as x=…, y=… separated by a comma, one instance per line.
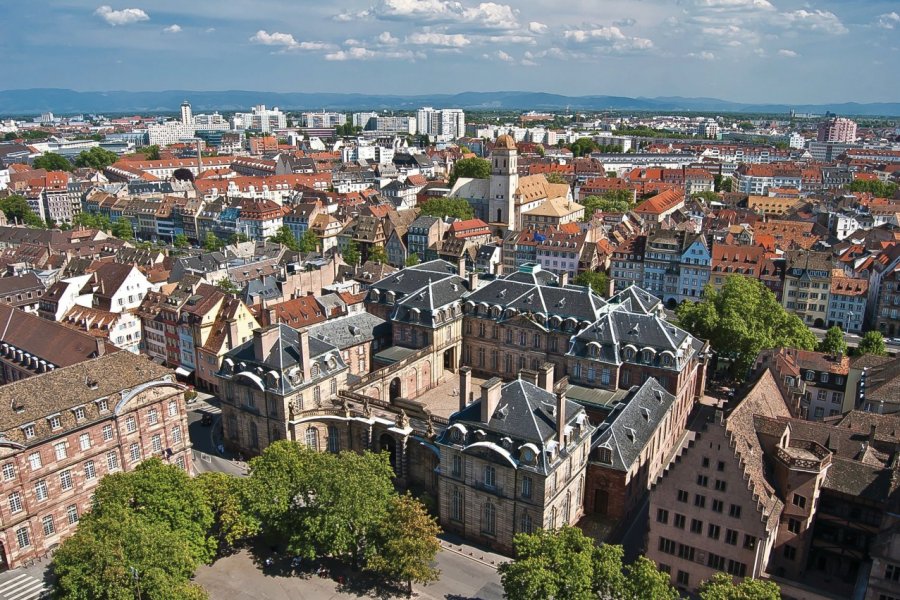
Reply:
x=744, y=50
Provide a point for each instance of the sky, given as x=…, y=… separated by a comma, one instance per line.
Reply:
x=814, y=51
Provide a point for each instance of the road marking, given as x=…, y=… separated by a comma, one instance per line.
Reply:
x=23, y=587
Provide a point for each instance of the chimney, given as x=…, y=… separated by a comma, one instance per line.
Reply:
x=561, y=419
x=461, y=267
x=529, y=376
x=303, y=334
x=564, y=279
x=546, y=377
x=101, y=347
x=264, y=340
x=270, y=317
x=473, y=281
x=233, y=339
x=490, y=398
x=465, y=387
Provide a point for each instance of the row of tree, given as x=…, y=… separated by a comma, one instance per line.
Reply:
x=565, y=564
x=149, y=529
x=95, y=158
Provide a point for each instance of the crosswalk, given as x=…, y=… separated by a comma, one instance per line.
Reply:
x=24, y=587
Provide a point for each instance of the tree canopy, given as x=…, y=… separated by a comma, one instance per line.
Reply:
x=612, y=201
x=227, y=286
x=122, y=229
x=833, y=343
x=96, y=158
x=599, y=282
x=309, y=241
x=285, y=237
x=407, y=543
x=476, y=168
x=92, y=221
x=880, y=189
x=378, y=255
x=457, y=208
x=211, y=242
x=872, y=343
x=722, y=587
x=52, y=162
x=412, y=260
x=741, y=320
x=556, y=178
x=351, y=254
x=181, y=241
x=16, y=209
x=151, y=152
x=583, y=146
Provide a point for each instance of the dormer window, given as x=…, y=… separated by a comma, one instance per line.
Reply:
x=55, y=422
x=28, y=430
x=628, y=354
x=605, y=455
x=79, y=413
x=823, y=378
x=103, y=405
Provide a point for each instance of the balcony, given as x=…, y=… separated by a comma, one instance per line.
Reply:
x=490, y=489
x=804, y=455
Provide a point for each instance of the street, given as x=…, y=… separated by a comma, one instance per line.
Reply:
x=206, y=438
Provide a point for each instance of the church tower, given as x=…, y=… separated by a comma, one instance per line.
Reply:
x=504, y=182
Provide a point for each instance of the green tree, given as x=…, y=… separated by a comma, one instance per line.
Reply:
x=746, y=125
x=237, y=238
x=872, y=343
x=599, y=282
x=476, y=168
x=309, y=241
x=722, y=587
x=833, y=343
x=407, y=543
x=583, y=146
x=226, y=498
x=285, y=237
x=741, y=320
x=16, y=209
x=351, y=253
x=727, y=185
x=611, y=201
x=549, y=564
x=457, y=208
x=211, y=242
x=122, y=229
x=119, y=554
x=92, y=221
x=378, y=255
x=717, y=183
x=412, y=260
x=708, y=196
x=556, y=178
x=96, y=158
x=52, y=162
x=609, y=578
x=151, y=152
x=181, y=241
x=643, y=580
x=228, y=286
x=880, y=189
x=164, y=495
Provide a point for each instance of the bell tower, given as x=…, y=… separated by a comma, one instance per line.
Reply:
x=504, y=182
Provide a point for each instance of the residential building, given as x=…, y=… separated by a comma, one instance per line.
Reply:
x=359, y=337
x=513, y=461
x=627, y=266
x=261, y=119
x=807, y=283
x=23, y=292
x=728, y=259
x=64, y=430
x=847, y=302
x=554, y=212
x=838, y=130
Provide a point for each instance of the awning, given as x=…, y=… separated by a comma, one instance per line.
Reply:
x=182, y=372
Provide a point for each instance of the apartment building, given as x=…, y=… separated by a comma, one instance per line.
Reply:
x=63, y=430
x=847, y=302
x=807, y=284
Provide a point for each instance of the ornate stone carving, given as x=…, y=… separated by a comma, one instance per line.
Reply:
x=402, y=420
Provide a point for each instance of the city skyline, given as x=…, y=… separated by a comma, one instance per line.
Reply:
x=740, y=50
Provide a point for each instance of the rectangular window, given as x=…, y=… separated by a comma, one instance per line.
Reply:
x=679, y=521
x=79, y=413
x=734, y=511
x=130, y=424
x=89, y=470
x=156, y=443
x=107, y=433
x=173, y=408
x=699, y=501
x=9, y=471
x=22, y=537
x=667, y=546
x=112, y=461
x=717, y=506
x=489, y=474
x=34, y=461
x=713, y=531
x=60, y=449
x=892, y=572
x=790, y=553
x=696, y=526
x=40, y=490
x=738, y=569
x=47, y=525
x=457, y=466
x=683, y=578
x=55, y=422
x=102, y=405
x=749, y=542
x=702, y=480
x=715, y=561
x=65, y=480
x=72, y=514
x=15, y=502
x=686, y=552
x=526, y=487
x=662, y=516
x=705, y=462
x=793, y=525
x=176, y=434
x=799, y=500
x=134, y=452
x=84, y=441
x=720, y=466
x=720, y=485
x=682, y=496
x=731, y=537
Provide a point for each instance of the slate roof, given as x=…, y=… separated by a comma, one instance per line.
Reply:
x=425, y=287
x=525, y=414
x=636, y=299
x=351, y=330
x=633, y=422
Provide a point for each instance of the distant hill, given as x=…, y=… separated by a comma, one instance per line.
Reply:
x=62, y=101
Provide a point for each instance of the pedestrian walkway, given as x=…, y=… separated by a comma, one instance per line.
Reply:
x=24, y=587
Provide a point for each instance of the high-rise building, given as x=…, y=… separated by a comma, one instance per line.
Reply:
x=261, y=119
x=187, y=117
x=838, y=129
x=323, y=120
x=446, y=124
x=361, y=119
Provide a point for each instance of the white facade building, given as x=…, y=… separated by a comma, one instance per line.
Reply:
x=170, y=132
x=323, y=120
x=442, y=124
x=261, y=119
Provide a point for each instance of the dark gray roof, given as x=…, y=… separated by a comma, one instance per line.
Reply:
x=636, y=299
x=579, y=303
x=351, y=330
x=539, y=277
x=265, y=288
x=632, y=423
x=425, y=287
x=423, y=222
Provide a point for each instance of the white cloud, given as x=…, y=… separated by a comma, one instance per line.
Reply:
x=121, y=17
x=387, y=39
x=504, y=56
x=446, y=40
x=486, y=15
x=888, y=20
x=286, y=41
x=174, y=28
x=721, y=31
x=704, y=55
x=736, y=4
x=535, y=27
x=361, y=53
x=511, y=38
x=787, y=53
x=628, y=22
x=608, y=39
x=815, y=20
x=491, y=15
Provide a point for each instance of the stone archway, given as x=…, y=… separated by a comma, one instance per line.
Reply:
x=395, y=390
x=388, y=444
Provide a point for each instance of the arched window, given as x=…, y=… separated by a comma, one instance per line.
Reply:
x=456, y=505
x=489, y=519
x=334, y=439
x=553, y=518
x=312, y=439
x=565, y=511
